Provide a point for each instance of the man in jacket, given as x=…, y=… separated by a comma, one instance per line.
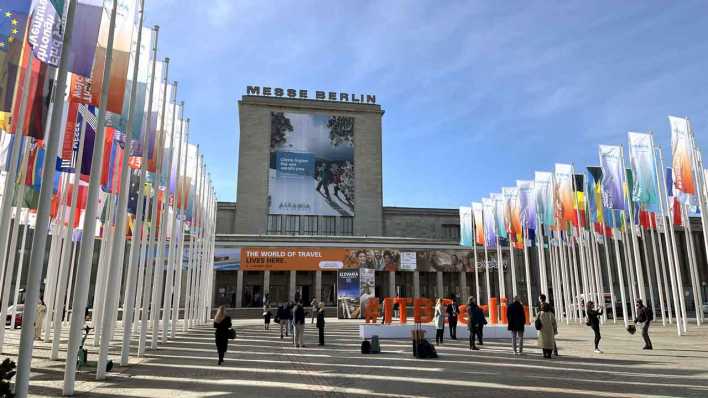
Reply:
x=516, y=323
x=282, y=316
x=476, y=321
x=452, y=310
x=299, y=321
x=644, y=316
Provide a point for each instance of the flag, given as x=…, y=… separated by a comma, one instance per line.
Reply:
x=580, y=216
x=125, y=23
x=641, y=156
x=527, y=204
x=612, y=187
x=13, y=21
x=113, y=148
x=595, y=194
x=45, y=34
x=465, y=226
x=543, y=190
x=490, y=238
x=564, y=194
x=38, y=97
x=478, y=223
x=84, y=36
x=681, y=155
x=501, y=214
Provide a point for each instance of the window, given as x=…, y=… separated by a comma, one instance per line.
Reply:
x=329, y=225
x=309, y=225
x=347, y=225
x=451, y=232
x=275, y=224
x=292, y=225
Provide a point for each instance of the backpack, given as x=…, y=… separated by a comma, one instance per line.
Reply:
x=366, y=347
x=425, y=350
x=375, y=347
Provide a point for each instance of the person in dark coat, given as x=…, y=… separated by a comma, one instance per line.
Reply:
x=282, y=317
x=644, y=316
x=267, y=315
x=516, y=318
x=222, y=324
x=321, y=322
x=299, y=322
x=452, y=311
x=476, y=322
x=541, y=302
x=593, y=320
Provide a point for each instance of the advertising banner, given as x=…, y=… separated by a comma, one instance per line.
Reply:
x=611, y=164
x=348, y=294
x=478, y=223
x=445, y=261
x=466, y=226
x=367, y=280
x=376, y=259
x=311, y=168
x=408, y=261
x=641, y=156
x=527, y=204
x=564, y=189
x=490, y=235
x=681, y=155
x=543, y=189
x=293, y=259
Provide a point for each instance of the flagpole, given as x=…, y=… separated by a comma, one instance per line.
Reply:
x=639, y=269
x=630, y=267
x=151, y=264
x=524, y=232
x=66, y=259
x=659, y=254
x=650, y=279
x=192, y=237
x=698, y=179
x=692, y=272
x=138, y=312
x=541, y=249
x=674, y=264
x=100, y=286
x=620, y=275
x=19, y=270
x=83, y=269
x=179, y=258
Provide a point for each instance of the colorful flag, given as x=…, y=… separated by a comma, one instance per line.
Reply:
x=478, y=223
x=543, y=190
x=580, y=205
x=681, y=155
x=595, y=194
x=465, y=226
x=565, y=203
x=527, y=204
x=490, y=235
x=641, y=157
x=84, y=37
x=45, y=34
x=113, y=148
x=501, y=213
x=37, y=98
x=13, y=20
x=612, y=181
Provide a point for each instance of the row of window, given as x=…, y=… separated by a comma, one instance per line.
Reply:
x=310, y=225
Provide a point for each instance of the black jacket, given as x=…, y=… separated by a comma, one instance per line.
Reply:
x=594, y=318
x=299, y=315
x=221, y=334
x=320, y=319
x=453, y=310
x=516, y=317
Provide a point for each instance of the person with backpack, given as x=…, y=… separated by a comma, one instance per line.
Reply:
x=439, y=321
x=475, y=322
x=593, y=320
x=644, y=316
x=516, y=318
x=547, y=331
x=452, y=310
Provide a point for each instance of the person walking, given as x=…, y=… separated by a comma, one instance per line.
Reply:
x=541, y=301
x=299, y=322
x=593, y=320
x=313, y=305
x=222, y=324
x=644, y=316
x=439, y=321
x=476, y=322
x=452, y=310
x=321, y=323
x=548, y=331
x=289, y=309
x=282, y=315
x=267, y=315
x=516, y=318
x=41, y=312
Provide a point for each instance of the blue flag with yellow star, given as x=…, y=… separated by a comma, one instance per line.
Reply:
x=13, y=21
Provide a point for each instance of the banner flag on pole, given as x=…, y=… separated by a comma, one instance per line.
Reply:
x=527, y=204
x=490, y=238
x=501, y=215
x=13, y=21
x=681, y=155
x=543, y=189
x=84, y=37
x=641, y=157
x=580, y=218
x=478, y=223
x=465, y=226
x=612, y=189
x=564, y=198
x=45, y=34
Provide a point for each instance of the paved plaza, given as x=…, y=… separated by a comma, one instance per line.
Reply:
x=259, y=364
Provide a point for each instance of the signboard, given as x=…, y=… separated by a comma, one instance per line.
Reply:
x=408, y=261
x=348, y=294
x=292, y=259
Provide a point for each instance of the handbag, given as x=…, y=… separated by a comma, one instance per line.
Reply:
x=538, y=324
x=231, y=334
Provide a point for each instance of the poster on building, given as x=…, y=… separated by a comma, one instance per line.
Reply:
x=311, y=170
x=227, y=258
x=445, y=261
x=376, y=259
x=367, y=280
x=348, y=294
x=408, y=261
x=293, y=259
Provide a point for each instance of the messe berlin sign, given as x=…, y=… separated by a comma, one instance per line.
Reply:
x=263, y=91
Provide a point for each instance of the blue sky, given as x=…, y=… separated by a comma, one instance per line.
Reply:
x=476, y=94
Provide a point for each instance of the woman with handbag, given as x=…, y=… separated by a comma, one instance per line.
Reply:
x=547, y=329
x=224, y=332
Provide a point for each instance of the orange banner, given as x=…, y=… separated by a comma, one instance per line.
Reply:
x=296, y=259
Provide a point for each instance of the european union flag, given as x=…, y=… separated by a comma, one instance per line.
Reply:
x=13, y=20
